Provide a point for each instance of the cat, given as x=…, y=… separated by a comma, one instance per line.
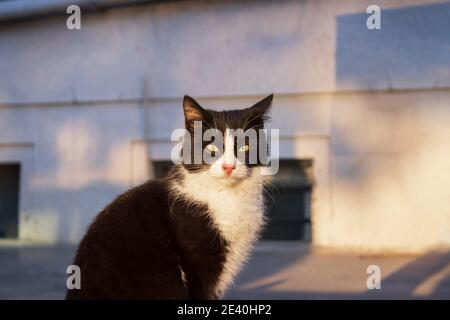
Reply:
x=187, y=235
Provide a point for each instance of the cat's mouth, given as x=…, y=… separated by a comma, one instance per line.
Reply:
x=235, y=177
x=231, y=182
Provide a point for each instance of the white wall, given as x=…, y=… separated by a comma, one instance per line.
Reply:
x=224, y=48
x=371, y=107
x=78, y=159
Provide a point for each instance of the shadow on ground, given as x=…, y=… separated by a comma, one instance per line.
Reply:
x=297, y=273
x=315, y=274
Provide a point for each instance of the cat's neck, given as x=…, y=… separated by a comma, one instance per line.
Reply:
x=236, y=211
x=200, y=186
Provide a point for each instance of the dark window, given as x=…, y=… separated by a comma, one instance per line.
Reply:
x=289, y=202
x=9, y=200
x=161, y=168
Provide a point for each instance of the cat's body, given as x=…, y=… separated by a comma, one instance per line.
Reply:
x=182, y=237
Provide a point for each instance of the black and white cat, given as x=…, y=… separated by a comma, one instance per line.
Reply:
x=185, y=236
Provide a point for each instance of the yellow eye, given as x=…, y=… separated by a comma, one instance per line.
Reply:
x=213, y=148
x=244, y=148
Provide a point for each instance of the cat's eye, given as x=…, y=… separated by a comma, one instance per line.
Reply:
x=213, y=148
x=244, y=148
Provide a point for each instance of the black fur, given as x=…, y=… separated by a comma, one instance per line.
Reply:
x=138, y=246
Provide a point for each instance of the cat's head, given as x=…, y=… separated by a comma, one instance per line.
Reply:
x=231, y=142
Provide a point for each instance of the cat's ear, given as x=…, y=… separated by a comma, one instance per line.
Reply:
x=192, y=111
x=258, y=112
x=262, y=107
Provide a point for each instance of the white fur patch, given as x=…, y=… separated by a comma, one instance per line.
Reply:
x=235, y=206
x=228, y=157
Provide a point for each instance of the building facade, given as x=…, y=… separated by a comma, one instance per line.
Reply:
x=86, y=114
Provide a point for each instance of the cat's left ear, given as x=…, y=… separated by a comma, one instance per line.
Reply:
x=262, y=107
x=192, y=112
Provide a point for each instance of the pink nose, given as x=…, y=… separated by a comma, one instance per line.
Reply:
x=228, y=168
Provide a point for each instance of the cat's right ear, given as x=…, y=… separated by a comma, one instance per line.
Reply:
x=192, y=112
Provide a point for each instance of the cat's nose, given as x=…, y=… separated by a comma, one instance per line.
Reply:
x=228, y=168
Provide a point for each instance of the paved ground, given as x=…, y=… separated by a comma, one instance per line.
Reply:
x=290, y=272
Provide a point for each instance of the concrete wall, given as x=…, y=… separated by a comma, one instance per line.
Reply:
x=370, y=107
x=222, y=48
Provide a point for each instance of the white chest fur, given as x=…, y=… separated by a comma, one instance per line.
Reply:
x=237, y=212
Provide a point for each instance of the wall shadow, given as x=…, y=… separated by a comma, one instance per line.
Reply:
x=425, y=277
x=410, y=50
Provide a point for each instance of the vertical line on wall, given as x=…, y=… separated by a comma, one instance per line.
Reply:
x=145, y=106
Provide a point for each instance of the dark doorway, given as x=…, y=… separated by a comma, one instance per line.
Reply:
x=289, y=202
x=9, y=200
